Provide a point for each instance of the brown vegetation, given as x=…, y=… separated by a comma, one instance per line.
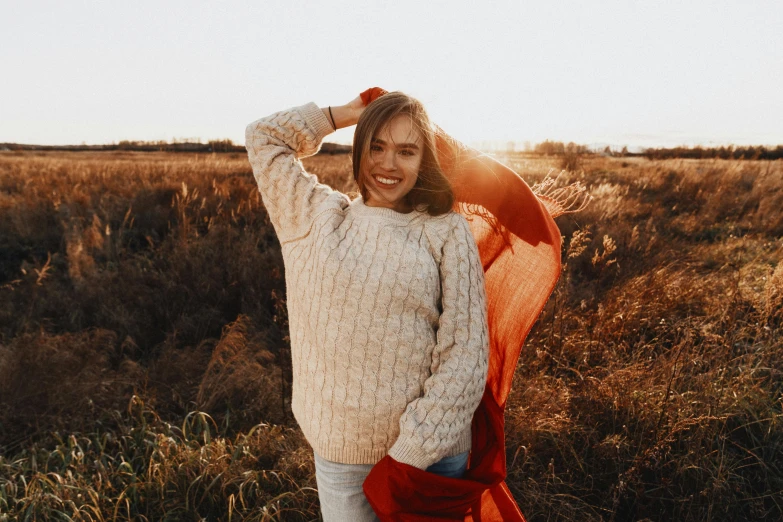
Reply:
x=143, y=344
x=754, y=152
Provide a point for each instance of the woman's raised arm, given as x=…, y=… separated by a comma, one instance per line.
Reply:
x=275, y=144
x=345, y=115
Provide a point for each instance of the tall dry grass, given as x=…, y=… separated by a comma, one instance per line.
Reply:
x=144, y=354
x=651, y=387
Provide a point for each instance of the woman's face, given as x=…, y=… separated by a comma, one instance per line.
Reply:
x=393, y=164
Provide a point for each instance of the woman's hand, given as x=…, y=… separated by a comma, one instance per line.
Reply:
x=357, y=106
x=348, y=114
x=345, y=115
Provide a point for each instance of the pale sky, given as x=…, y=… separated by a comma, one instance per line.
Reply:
x=636, y=73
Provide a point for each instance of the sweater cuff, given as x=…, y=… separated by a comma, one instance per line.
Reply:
x=316, y=120
x=411, y=455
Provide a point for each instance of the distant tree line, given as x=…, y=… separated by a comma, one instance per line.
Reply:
x=138, y=145
x=751, y=152
x=545, y=148
x=162, y=146
x=557, y=148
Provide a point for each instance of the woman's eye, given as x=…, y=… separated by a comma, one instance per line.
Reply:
x=375, y=148
x=407, y=152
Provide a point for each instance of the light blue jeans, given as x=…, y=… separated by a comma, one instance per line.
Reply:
x=340, y=486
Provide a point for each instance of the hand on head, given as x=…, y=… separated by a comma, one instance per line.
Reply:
x=372, y=94
x=359, y=103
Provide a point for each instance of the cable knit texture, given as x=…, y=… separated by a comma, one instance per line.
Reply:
x=387, y=311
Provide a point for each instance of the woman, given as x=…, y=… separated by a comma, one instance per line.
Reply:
x=386, y=299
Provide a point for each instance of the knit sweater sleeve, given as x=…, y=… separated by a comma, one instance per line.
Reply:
x=292, y=196
x=432, y=423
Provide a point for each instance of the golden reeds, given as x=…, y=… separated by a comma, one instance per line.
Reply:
x=144, y=344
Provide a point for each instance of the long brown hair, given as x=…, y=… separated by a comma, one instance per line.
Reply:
x=432, y=192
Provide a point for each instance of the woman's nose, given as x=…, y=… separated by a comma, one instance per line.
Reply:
x=389, y=161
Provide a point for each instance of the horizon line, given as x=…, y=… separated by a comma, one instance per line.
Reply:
x=496, y=145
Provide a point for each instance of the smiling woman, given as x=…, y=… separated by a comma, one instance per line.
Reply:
x=393, y=164
x=394, y=159
x=385, y=295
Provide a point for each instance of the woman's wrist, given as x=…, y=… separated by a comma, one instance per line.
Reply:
x=341, y=116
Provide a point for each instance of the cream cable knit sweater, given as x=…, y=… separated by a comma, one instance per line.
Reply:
x=387, y=311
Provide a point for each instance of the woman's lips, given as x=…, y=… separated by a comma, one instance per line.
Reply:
x=384, y=185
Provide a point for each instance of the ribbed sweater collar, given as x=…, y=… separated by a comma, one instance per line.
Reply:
x=359, y=208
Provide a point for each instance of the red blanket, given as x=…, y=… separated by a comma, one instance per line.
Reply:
x=519, y=244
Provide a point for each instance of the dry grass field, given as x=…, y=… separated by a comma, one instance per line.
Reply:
x=144, y=359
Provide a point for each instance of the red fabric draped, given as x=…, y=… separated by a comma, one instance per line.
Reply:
x=519, y=244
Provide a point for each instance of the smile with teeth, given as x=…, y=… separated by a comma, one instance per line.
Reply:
x=386, y=181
